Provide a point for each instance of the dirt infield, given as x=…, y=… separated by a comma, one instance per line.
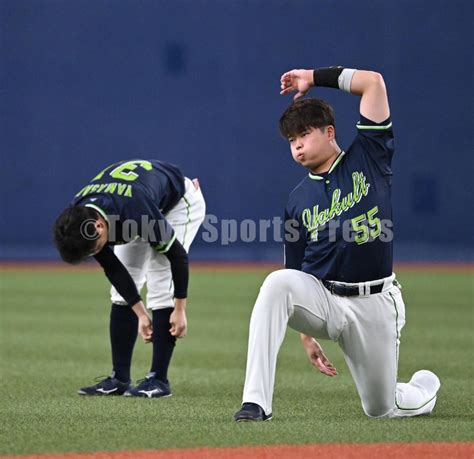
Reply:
x=320, y=451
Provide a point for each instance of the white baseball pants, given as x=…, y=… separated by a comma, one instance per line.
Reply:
x=367, y=329
x=147, y=265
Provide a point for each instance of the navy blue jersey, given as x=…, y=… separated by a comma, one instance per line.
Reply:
x=344, y=216
x=133, y=196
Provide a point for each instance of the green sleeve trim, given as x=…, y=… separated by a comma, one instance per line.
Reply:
x=374, y=128
x=161, y=249
x=98, y=209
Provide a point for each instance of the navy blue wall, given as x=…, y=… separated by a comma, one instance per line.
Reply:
x=88, y=82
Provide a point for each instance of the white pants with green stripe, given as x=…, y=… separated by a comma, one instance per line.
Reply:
x=367, y=329
x=146, y=265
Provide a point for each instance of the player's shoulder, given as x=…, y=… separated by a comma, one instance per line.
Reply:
x=298, y=191
x=164, y=166
x=299, y=186
x=375, y=141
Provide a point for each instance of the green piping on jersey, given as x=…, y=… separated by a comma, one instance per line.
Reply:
x=338, y=160
x=315, y=177
x=334, y=164
x=165, y=247
x=98, y=209
x=374, y=128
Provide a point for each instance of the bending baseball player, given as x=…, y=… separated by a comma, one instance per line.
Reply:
x=151, y=213
x=338, y=283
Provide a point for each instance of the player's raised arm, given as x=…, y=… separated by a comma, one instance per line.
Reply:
x=369, y=85
x=374, y=101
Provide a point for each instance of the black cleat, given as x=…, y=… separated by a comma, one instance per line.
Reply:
x=150, y=387
x=251, y=412
x=108, y=386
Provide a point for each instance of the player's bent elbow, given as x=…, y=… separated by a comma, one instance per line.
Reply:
x=367, y=81
x=376, y=80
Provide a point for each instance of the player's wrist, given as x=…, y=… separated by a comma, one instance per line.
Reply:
x=333, y=77
x=306, y=339
x=309, y=77
x=139, y=309
x=180, y=304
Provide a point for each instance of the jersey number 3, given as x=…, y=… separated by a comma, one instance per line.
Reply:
x=124, y=171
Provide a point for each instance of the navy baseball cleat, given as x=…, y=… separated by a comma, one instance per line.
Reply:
x=108, y=386
x=251, y=412
x=150, y=387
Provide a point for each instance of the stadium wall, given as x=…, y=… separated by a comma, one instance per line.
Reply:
x=196, y=82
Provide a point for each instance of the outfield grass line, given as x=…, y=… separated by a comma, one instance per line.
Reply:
x=433, y=267
x=322, y=451
x=35, y=265
x=229, y=266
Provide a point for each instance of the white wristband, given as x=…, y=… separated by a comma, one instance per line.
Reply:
x=345, y=79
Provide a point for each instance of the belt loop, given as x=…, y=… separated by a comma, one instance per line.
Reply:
x=388, y=282
x=361, y=288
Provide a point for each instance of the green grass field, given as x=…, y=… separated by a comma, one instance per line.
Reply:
x=54, y=339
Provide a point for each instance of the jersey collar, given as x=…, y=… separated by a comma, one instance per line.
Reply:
x=334, y=164
x=99, y=210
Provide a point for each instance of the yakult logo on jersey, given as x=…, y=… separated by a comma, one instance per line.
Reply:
x=313, y=219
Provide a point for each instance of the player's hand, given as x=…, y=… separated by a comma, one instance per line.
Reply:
x=317, y=357
x=298, y=80
x=178, y=322
x=145, y=329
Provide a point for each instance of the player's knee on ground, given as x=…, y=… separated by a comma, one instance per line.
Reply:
x=377, y=410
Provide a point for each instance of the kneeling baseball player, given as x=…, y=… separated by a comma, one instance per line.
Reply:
x=338, y=283
x=151, y=213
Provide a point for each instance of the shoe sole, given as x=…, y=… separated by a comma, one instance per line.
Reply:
x=269, y=418
x=99, y=394
x=146, y=396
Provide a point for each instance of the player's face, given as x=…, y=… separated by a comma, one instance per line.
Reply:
x=313, y=147
x=103, y=233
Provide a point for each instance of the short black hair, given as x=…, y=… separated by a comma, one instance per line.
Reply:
x=306, y=113
x=74, y=233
